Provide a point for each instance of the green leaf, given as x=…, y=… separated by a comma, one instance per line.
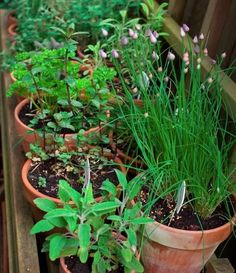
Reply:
x=114, y=218
x=76, y=103
x=45, y=204
x=58, y=222
x=105, y=206
x=108, y=186
x=70, y=248
x=122, y=179
x=60, y=213
x=56, y=245
x=88, y=196
x=97, y=257
x=127, y=254
x=96, y=103
x=41, y=226
x=142, y=220
x=67, y=193
x=84, y=237
x=131, y=236
x=145, y=9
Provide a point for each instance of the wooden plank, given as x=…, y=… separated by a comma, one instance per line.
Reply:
x=23, y=255
x=213, y=23
x=176, y=9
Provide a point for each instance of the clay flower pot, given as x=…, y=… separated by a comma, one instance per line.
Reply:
x=30, y=136
x=170, y=250
x=31, y=193
x=11, y=19
x=12, y=30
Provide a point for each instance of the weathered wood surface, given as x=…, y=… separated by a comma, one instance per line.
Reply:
x=23, y=255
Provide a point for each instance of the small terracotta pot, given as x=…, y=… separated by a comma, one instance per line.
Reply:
x=31, y=193
x=30, y=136
x=170, y=250
x=11, y=19
x=12, y=77
x=63, y=267
x=12, y=30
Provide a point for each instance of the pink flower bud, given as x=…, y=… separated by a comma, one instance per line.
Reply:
x=156, y=34
x=185, y=28
x=182, y=33
x=102, y=54
x=104, y=32
x=115, y=54
x=170, y=56
x=205, y=51
x=131, y=32
x=124, y=41
x=213, y=61
x=201, y=36
x=153, y=39
x=195, y=39
x=186, y=57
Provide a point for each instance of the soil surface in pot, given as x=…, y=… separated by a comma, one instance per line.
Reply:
x=186, y=219
x=53, y=170
x=74, y=265
x=28, y=113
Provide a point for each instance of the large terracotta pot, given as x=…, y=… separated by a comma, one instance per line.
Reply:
x=29, y=136
x=31, y=193
x=171, y=250
x=12, y=30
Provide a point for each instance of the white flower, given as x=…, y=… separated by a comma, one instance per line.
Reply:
x=159, y=69
x=155, y=56
x=170, y=56
x=201, y=36
x=223, y=55
x=182, y=32
x=156, y=34
x=185, y=28
x=210, y=80
x=138, y=27
x=124, y=41
x=131, y=32
x=195, y=39
x=205, y=51
x=186, y=57
x=166, y=79
x=186, y=70
x=146, y=115
x=199, y=60
x=115, y=54
x=198, y=66
x=104, y=32
x=135, y=35
x=102, y=54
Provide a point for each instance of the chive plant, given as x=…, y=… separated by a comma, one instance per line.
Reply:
x=179, y=128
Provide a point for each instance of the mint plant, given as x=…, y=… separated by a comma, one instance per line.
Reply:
x=93, y=229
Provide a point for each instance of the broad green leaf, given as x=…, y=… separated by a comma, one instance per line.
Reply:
x=121, y=178
x=58, y=222
x=97, y=257
x=127, y=254
x=84, y=241
x=114, y=218
x=105, y=207
x=60, y=213
x=41, y=226
x=142, y=220
x=131, y=236
x=145, y=9
x=56, y=245
x=70, y=248
x=66, y=193
x=45, y=204
x=108, y=186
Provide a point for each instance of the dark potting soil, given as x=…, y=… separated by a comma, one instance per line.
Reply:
x=53, y=171
x=186, y=219
x=74, y=265
x=27, y=113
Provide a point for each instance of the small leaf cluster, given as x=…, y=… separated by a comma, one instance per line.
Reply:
x=105, y=231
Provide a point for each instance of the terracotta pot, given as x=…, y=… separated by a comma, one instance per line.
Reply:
x=29, y=135
x=12, y=77
x=11, y=19
x=31, y=193
x=171, y=250
x=12, y=30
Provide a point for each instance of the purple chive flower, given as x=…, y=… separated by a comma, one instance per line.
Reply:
x=102, y=54
x=185, y=28
x=182, y=32
x=156, y=34
x=195, y=39
x=104, y=32
x=124, y=41
x=135, y=36
x=170, y=56
x=197, y=49
x=153, y=39
x=148, y=32
x=115, y=54
x=131, y=32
